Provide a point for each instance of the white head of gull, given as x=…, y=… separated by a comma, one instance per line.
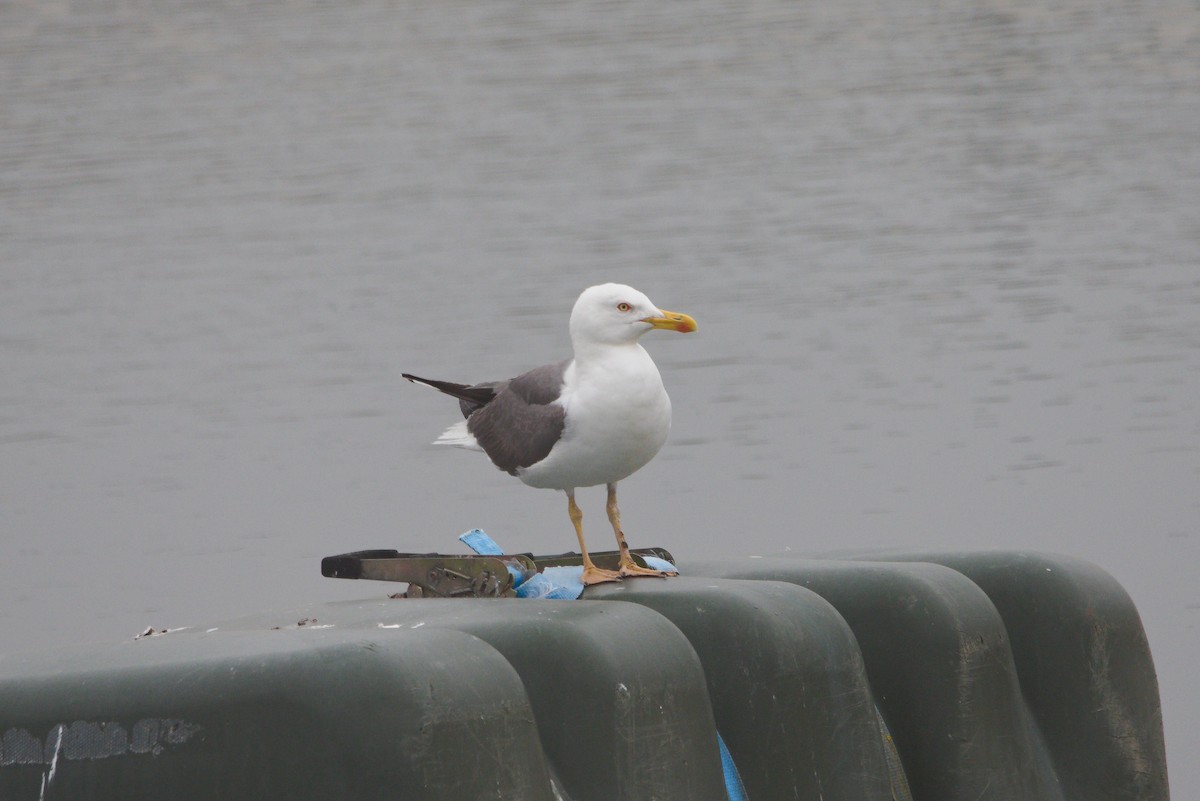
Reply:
x=594, y=419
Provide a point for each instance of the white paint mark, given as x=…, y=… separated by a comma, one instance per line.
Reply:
x=153, y=632
x=90, y=739
x=418, y=625
x=48, y=779
x=392, y=626
x=210, y=631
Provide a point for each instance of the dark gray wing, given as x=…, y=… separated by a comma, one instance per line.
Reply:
x=520, y=425
x=487, y=392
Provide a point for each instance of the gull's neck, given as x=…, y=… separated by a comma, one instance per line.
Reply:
x=588, y=353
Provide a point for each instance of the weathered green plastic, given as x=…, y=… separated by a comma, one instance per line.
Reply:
x=430, y=699
x=1001, y=675
x=319, y=714
x=787, y=680
x=617, y=692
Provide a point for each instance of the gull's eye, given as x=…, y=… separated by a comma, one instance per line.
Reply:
x=623, y=307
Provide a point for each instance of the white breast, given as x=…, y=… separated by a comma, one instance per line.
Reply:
x=618, y=417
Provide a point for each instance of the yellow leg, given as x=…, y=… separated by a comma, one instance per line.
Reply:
x=591, y=573
x=628, y=567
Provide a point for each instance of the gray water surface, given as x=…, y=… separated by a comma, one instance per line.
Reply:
x=945, y=258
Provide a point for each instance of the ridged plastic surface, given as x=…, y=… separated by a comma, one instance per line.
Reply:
x=998, y=676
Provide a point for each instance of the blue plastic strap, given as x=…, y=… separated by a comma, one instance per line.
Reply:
x=478, y=541
x=733, y=780
x=659, y=564
x=554, y=583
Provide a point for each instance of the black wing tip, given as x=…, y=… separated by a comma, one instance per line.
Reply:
x=440, y=386
x=471, y=397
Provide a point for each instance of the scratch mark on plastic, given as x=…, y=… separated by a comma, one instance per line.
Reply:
x=48, y=778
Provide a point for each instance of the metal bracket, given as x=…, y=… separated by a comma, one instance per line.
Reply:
x=432, y=575
x=609, y=560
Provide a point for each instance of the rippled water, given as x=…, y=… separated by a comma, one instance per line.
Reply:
x=945, y=259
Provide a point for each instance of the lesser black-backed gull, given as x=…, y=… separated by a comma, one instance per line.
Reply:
x=593, y=419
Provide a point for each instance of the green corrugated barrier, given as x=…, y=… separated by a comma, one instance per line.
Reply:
x=881, y=676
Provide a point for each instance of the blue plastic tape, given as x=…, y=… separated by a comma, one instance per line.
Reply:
x=659, y=564
x=554, y=583
x=733, y=780
x=478, y=541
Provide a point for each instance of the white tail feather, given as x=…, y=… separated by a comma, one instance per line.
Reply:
x=458, y=436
